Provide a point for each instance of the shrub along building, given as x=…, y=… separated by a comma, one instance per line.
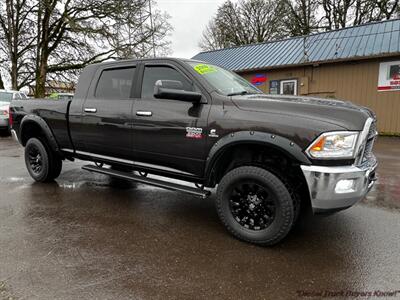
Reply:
x=360, y=64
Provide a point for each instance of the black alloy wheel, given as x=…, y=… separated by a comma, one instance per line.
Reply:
x=252, y=205
x=255, y=205
x=35, y=159
x=42, y=163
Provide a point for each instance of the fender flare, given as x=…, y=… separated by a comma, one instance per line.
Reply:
x=44, y=127
x=255, y=137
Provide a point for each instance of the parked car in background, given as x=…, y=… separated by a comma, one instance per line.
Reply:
x=6, y=96
x=62, y=96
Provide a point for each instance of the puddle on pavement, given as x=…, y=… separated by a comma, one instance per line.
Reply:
x=385, y=193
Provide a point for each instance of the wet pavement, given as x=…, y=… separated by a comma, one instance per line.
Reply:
x=88, y=237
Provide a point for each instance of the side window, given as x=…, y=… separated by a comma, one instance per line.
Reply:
x=152, y=74
x=115, y=83
x=17, y=96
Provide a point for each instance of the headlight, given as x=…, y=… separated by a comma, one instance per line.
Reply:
x=334, y=145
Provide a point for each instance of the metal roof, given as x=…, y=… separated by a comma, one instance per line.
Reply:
x=351, y=43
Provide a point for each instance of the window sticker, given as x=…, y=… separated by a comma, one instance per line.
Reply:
x=205, y=69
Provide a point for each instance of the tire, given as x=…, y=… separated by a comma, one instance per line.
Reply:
x=56, y=168
x=42, y=164
x=297, y=206
x=255, y=206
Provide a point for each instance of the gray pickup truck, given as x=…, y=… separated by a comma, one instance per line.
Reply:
x=267, y=155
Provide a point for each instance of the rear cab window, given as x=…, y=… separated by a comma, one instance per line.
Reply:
x=115, y=83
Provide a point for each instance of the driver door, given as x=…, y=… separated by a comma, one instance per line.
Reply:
x=169, y=134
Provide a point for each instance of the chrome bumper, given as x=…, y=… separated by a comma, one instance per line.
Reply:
x=323, y=185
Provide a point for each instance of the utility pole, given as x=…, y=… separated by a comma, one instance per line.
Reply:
x=152, y=29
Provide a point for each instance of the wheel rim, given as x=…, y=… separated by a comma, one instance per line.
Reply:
x=35, y=159
x=252, y=205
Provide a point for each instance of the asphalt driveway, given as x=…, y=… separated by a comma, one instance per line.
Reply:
x=89, y=237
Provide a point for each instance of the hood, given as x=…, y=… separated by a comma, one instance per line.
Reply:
x=341, y=113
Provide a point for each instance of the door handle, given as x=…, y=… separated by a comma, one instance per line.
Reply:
x=144, y=113
x=90, y=110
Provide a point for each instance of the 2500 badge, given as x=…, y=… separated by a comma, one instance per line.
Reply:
x=194, y=133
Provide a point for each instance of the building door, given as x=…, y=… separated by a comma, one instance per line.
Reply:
x=288, y=87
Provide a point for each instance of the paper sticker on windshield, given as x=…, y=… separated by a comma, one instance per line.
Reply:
x=205, y=69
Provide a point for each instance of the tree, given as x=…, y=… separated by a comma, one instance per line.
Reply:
x=300, y=18
x=143, y=32
x=388, y=9
x=343, y=13
x=213, y=38
x=54, y=39
x=254, y=21
x=74, y=33
x=245, y=22
x=1, y=82
x=16, y=40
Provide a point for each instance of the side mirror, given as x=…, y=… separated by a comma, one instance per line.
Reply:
x=173, y=90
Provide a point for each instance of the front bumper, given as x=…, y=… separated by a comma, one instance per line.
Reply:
x=323, y=181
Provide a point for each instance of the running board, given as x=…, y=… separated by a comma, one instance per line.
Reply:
x=149, y=181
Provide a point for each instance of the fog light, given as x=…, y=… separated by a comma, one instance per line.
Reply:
x=344, y=186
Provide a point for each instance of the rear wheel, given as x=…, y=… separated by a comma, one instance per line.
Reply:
x=56, y=168
x=255, y=205
x=43, y=165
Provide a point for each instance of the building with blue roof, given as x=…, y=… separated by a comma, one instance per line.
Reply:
x=360, y=64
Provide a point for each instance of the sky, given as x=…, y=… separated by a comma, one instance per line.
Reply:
x=188, y=18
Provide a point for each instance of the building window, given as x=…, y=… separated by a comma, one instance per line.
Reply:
x=288, y=87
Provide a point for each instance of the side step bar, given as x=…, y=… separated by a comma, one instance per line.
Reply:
x=149, y=181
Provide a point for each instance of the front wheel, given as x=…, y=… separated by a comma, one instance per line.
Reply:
x=255, y=206
x=43, y=165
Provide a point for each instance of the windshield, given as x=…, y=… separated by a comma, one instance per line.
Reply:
x=6, y=97
x=226, y=82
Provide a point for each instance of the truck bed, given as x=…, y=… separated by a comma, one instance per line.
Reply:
x=54, y=112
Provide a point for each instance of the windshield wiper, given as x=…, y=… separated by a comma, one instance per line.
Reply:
x=241, y=93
